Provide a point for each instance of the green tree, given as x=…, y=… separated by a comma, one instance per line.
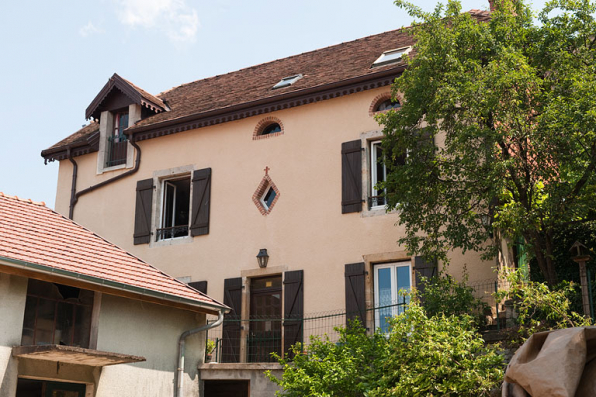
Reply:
x=499, y=126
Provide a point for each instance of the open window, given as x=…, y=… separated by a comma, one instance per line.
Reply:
x=117, y=143
x=378, y=174
x=57, y=314
x=175, y=208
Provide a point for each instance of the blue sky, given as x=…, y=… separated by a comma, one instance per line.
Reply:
x=57, y=55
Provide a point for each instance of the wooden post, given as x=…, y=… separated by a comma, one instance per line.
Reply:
x=584, y=281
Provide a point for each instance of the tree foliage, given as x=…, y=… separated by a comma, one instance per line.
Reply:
x=422, y=356
x=499, y=125
x=539, y=307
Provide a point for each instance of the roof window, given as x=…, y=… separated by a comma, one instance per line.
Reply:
x=287, y=81
x=391, y=56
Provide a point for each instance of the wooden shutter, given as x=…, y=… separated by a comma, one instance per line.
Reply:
x=142, y=232
x=293, y=309
x=231, y=325
x=351, y=177
x=199, y=286
x=201, y=202
x=426, y=269
x=355, y=297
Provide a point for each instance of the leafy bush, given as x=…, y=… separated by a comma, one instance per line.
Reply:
x=325, y=368
x=421, y=356
x=437, y=356
x=445, y=295
x=540, y=308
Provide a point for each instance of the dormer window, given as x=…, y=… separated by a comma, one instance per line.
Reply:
x=391, y=56
x=287, y=81
x=117, y=142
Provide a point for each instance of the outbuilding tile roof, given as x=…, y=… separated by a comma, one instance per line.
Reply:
x=32, y=233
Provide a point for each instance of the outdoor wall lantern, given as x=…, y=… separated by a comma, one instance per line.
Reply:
x=263, y=257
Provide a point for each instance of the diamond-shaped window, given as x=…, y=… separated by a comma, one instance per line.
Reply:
x=266, y=195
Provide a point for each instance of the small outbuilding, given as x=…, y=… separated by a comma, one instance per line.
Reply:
x=80, y=316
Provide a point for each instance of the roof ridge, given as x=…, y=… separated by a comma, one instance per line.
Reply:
x=23, y=200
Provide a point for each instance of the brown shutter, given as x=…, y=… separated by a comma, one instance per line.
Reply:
x=231, y=325
x=426, y=269
x=201, y=201
x=293, y=309
x=142, y=233
x=355, y=298
x=351, y=177
x=199, y=286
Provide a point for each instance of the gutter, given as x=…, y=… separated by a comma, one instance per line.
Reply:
x=74, y=197
x=178, y=381
x=42, y=269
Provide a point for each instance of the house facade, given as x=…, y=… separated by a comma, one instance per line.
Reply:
x=278, y=161
x=82, y=317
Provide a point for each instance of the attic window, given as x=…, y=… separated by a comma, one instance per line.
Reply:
x=287, y=81
x=391, y=56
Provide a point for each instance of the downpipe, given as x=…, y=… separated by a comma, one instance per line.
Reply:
x=181, y=346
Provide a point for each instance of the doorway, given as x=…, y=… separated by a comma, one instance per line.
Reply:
x=265, y=315
x=42, y=388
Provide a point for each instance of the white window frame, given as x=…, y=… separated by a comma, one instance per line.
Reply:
x=262, y=199
x=374, y=178
x=391, y=56
x=162, y=204
x=394, y=292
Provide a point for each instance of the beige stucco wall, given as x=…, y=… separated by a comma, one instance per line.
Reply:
x=151, y=331
x=305, y=230
x=13, y=292
x=125, y=326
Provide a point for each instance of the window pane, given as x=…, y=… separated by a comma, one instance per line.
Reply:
x=29, y=321
x=403, y=285
x=82, y=326
x=64, y=324
x=385, y=297
x=269, y=197
x=46, y=311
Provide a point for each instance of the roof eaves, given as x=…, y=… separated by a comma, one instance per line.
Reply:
x=128, y=89
x=37, y=268
x=310, y=93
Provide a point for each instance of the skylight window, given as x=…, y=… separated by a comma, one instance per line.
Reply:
x=391, y=56
x=287, y=81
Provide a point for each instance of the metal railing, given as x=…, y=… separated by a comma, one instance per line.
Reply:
x=254, y=339
x=171, y=232
x=116, y=150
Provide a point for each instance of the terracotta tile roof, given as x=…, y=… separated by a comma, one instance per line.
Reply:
x=147, y=96
x=81, y=137
x=31, y=232
x=320, y=68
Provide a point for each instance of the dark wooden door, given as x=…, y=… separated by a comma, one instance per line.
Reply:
x=265, y=314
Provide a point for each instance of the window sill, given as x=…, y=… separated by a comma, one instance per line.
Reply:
x=112, y=168
x=172, y=241
x=376, y=211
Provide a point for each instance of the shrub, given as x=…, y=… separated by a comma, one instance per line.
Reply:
x=421, y=356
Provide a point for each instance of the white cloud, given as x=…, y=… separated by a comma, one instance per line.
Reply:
x=89, y=29
x=173, y=17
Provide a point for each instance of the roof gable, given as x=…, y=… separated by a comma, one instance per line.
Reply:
x=119, y=92
x=38, y=241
